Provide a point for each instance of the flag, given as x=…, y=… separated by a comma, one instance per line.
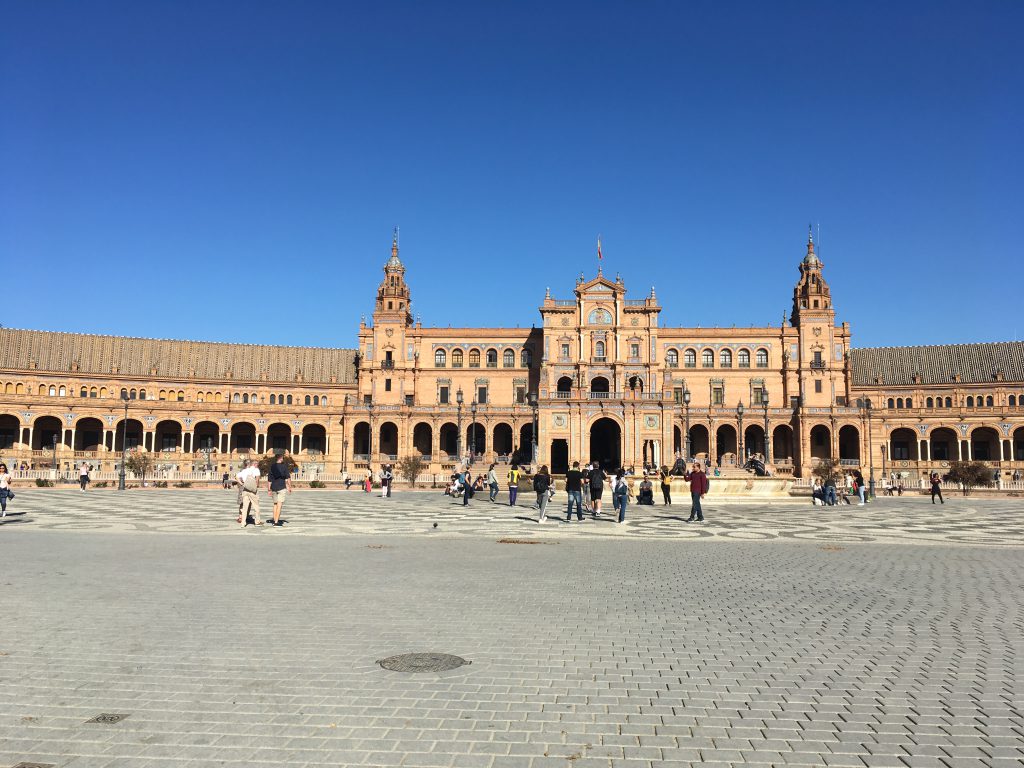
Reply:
x=599, y=248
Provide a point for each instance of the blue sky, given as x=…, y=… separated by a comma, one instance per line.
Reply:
x=232, y=171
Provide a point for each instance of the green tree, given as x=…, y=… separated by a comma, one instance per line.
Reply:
x=411, y=467
x=139, y=463
x=266, y=462
x=828, y=468
x=970, y=474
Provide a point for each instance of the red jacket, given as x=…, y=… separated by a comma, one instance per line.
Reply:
x=698, y=481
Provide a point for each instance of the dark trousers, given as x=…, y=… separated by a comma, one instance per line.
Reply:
x=513, y=490
x=695, y=511
x=666, y=493
x=575, y=497
x=467, y=491
x=936, y=491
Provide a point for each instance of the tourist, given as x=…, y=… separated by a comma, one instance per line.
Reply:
x=646, y=495
x=5, y=489
x=574, y=490
x=817, y=494
x=586, y=487
x=83, y=476
x=466, y=478
x=620, y=494
x=492, y=483
x=666, y=486
x=513, y=484
x=280, y=486
x=937, y=488
x=699, y=485
x=368, y=482
x=858, y=486
x=225, y=481
x=248, y=493
x=541, y=484
x=239, y=481
x=830, y=491
x=385, y=474
x=597, y=478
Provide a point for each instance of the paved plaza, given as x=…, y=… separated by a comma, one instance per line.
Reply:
x=786, y=634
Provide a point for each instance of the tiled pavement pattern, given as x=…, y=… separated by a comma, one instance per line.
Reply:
x=258, y=648
x=907, y=519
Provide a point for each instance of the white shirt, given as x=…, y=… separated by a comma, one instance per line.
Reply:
x=245, y=474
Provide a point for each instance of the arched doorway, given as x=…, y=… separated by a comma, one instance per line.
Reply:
x=449, y=440
x=128, y=434
x=944, y=444
x=168, y=438
x=476, y=438
x=606, y=443
x=782, y=444
x=242, y=437
x=314, y=440
x=636, y=386
x=88, y=435
x=753, y=441
x=677, y=441
x=564, y=387
x=423, y=439
x=387, y=441
x=849, y=443
x=10, y=431
x=503, y=440
x=700, y=442
x=279, y=438
x=903, y=445
x=821, y=442
x=725, y=441
x=559, y=456
x=361, y=441
x=1018, y=444
x=44, y=431
x=985, y=444
x=599, y=387
x=525, y=453
x=207, y=437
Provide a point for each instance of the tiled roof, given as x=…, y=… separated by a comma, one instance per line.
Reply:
x=975, y=363
x=128, y=356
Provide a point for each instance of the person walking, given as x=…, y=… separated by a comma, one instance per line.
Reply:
x=858, y=485
x=597, y=478
x=698, y=481
x=541, y=484
x=368, y=482
x=239, y=482
x=5, y=489
x=391, y=479
x=466, y=478
x=666, y=486
x=83, y=476
x=280, y=486
x=248, y=479
x=620, y=494
x=936, y=482
x=586, y=488
x=574, y=490
x=492, y=483
x=513, y=484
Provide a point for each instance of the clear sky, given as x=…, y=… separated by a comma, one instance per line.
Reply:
x=232, y=171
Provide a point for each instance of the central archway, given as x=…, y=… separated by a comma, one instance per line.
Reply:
x=606, y=444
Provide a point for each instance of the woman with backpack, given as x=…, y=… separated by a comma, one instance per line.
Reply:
x=620, y=494
x=513, y=484
x=597, y=478
x=541, y=484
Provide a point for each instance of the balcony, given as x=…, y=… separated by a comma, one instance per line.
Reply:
x=563, y=395
x=387, y=365
x=601, y=359
x=492, y=363
x=818, y=365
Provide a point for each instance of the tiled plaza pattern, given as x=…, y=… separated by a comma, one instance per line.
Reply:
x=619, y=650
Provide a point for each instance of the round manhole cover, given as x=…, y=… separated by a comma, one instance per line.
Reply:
x=422, y=662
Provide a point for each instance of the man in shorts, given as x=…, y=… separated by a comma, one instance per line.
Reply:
x=280, y=485
x=248, y=480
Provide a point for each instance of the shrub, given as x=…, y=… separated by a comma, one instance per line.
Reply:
x=828, y=469
x=102, y=484
x=317, y=484
x=41, y=483
x=970, y=474
x=139, y=463
x=266, y=462
x=160, y=484
x=182, y=484
x=411, y=467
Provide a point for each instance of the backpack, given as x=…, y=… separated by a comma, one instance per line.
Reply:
x=540, y=483
x=707, y=484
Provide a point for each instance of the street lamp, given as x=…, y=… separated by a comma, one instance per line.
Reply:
x=532, y=400
x=686, y=405
x=124, y=442
x=767, y=441
x=369, y=436
x=458, y=437
x=472, y=432
x=739, y=415
x=56, y=464
x=871, y=455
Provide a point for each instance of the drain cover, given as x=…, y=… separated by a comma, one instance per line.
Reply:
x=422, y=662
x=107, y=718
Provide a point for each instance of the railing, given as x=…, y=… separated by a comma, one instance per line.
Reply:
x=387, y=365
x=600, y=395
x=600, y=359
x=636, y=302
x=563, y=302
x=491, y=364
x=818, y=364
x=563, y=395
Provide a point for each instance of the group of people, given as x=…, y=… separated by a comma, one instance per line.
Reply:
x=834, y=491
x=247, y=480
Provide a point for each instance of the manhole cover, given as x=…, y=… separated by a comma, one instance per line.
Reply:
x=107, y=718
x=422, y=662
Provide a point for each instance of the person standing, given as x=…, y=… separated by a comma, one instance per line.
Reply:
x=574, y=490
x=368, y=482
x=830, y=491
x=937, y=488
x=248, y=480
x=280, y=486
x=513, y=484
x=492, y=483
x=240, y=481
x=666, y=486
x=391, y=479
x=597, y=478
x=698, y=481
x=83, y=476
x=466, y=477
x=586, y=488
x=620, y=494
x=541, y=483
x=5, y=489
x=858, y=484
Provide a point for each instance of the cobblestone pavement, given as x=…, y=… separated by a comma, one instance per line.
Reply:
x=907, y=519
x=260, y=648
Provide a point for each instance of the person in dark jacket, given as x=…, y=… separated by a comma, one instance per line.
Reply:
x=541, y=484
x=698, y=481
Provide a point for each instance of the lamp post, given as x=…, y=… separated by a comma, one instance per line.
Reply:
x=458, y=437
x=739, y=415
x=532, y=400
x=871, y=455
x=767, y=441
x=686, y=406
x=56, y=464
x=369, y=436
x=472, y=432
x=124, y=442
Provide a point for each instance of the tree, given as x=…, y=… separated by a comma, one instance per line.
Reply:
x=411, y=467
x=970, y=474
x=271, y=458
x=139, y=463
x=828, y=469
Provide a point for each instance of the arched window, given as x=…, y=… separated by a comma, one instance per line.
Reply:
x=288, y=400
x=83, y=392
x=910, y=403
x=492, y=358
x=133, y=395
x=744, y=358
x=899, y=402
x=63, y=392
x=253, y=398
x=988, y=401
x=142, y=394
x=308, y=400
x=92, y=392
x=707, y=358
x=162, y=395
x=316, y=399
x=599, y=349
x=245, y=397
x=726, y=358
x=53, y=391
x=949, y=402
x=440, y=358
x=456, y=358
x=273, y=399
x=181, y=397
x=103, y=391
x=672, y=358
x=929, y=403
x=236, y=398
x=323, y=400
x=690, y=358
x=970, y=402
x=891, y=403
x=762, y=358
x=1012, y=401
x=526, y=358
x=508, y=359
x=124, y=394
x=474, y=358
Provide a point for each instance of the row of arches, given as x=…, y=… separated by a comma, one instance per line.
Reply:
x=944, y=444
x=501, y=439
x=490, y=357
x=725, y=358
x=174, y=395
x=971, y=401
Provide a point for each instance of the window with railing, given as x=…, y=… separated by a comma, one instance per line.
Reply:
x=743, y=358
x=440, y=358
x=492, y=358
x=726, y=358
x=707, y=358
x=509, y=359
x=762, y=358
x=690, y=358
x=474, y=358
x=457, y=358
x=672, y=358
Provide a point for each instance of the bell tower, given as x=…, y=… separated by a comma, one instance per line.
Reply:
x=393, y=305
x=812, y=299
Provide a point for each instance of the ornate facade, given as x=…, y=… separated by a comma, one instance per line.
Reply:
x=599, y=376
